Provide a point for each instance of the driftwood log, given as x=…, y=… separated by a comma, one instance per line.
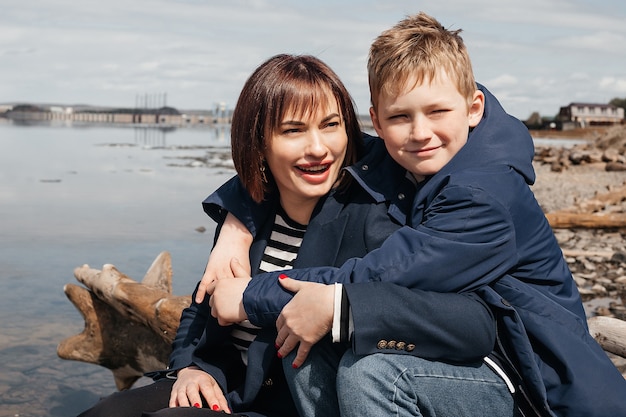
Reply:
x=129, y=326
x=603, y=211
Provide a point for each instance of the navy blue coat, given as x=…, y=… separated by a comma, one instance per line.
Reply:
x=344, y=225
x=476, y=226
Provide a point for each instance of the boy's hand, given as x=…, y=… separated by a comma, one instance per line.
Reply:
x=227, y=296
x=191, y=385
x=233, y=242
x=305, y=319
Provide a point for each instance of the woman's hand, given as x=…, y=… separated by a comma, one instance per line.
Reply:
x=233, y=241
x=191, y=385
x=227, y=296
x=305, y=319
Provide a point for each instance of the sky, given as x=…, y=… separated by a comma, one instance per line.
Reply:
x=534, y=55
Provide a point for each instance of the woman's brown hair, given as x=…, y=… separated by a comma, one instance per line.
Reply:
x=298, y=83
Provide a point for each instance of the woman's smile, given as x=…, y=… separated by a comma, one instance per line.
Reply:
x=314, y=173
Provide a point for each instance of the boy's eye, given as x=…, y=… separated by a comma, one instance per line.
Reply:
x=291, y=131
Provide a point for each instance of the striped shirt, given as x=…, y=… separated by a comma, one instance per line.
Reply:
x=280, y=253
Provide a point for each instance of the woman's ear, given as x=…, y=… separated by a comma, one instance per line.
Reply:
x=477, y=108
x=375, y=122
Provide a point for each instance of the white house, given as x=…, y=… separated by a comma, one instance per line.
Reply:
x=586, y=114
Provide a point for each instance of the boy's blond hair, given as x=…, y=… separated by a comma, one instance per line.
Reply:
x=418, y=48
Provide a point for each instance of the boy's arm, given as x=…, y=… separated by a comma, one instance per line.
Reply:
x=465, y=240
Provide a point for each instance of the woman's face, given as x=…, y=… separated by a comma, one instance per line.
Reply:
x=305, y=156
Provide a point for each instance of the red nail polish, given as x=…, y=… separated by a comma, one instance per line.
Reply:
x=294, y=366
x=283, y=276
x=215, y=407
x=279, y=355
x=276, y=346
x=197, y=405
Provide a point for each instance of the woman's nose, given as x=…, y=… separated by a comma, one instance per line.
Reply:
x=316, y=145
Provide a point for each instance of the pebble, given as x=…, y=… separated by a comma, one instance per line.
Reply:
x=597, y=277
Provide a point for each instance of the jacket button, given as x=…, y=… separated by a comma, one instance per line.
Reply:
x=391, y=344
x=382, y=344
x=365, y=167
x=401, y=196
x=400, y=345
x=410, y=347
x=268, y=382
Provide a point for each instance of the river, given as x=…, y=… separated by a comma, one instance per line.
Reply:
x=89, y=195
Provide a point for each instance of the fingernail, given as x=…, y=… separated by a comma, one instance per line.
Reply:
x=276, y=346
x=294, y=366
x=197, y=405
x=283, y=276
x=215, y=407
x=279, y=355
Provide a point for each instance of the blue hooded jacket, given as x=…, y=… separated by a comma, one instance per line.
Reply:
x=476, y=226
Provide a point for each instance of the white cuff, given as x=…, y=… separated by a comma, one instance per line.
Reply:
x=336, y=330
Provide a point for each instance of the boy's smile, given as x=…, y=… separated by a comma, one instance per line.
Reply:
x=425, y=126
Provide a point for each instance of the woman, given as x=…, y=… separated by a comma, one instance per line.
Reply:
x=294, y=128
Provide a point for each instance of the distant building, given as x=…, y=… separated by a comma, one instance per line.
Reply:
x=155, y=117
x=589, y=114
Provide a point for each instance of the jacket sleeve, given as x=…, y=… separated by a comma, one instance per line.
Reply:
x=234, y=198
x=200, y=344
x=192, y=324
x=465, y=239
x=439, y=326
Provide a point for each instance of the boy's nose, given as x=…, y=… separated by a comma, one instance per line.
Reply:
x=420, y=131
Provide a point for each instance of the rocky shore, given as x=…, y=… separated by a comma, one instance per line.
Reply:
x=566, y=178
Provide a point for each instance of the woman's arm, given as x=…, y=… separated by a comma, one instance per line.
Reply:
x=440, y=326
x=233, y=243
x=193, y=322
x=388, y=318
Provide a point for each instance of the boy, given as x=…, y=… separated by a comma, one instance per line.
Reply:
x=474, y=226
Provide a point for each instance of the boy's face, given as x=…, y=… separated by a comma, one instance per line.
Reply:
x=424, y=127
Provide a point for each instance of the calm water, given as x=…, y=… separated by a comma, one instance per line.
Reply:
x=70, y=196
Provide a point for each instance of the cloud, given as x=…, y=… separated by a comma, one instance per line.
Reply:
x=613, y=85
x=504, y=80
x=201, y=52
x=603, y=41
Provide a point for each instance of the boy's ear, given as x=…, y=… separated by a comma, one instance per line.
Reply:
x=477, y=108
x=375, y=122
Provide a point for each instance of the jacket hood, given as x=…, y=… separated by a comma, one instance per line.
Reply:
x=499, y=139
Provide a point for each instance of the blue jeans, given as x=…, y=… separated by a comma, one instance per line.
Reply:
x=333, y=384
x=313, y=385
